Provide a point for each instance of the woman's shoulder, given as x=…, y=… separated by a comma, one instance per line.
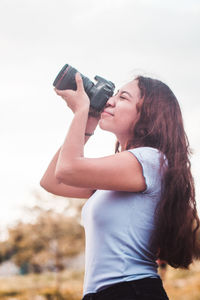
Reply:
x=152, y=161
x=146, y=150
x=149, y=154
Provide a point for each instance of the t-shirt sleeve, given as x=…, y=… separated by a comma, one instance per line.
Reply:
x=150, y=159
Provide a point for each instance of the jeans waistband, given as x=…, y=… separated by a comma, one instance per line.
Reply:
x=105, y=292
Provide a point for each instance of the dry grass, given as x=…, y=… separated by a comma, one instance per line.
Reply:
x=183, y=284
x=66, y=285
x=179, y=284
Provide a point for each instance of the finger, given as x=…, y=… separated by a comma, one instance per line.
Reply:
x=79, y=82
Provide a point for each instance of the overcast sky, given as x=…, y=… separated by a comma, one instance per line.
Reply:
x=116, y=39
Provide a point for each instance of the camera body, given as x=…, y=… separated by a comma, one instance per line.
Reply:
x=98, y=93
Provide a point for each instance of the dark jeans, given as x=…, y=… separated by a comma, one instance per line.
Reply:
x=142, y=289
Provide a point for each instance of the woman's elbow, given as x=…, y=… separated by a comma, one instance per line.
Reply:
x=43, y=181
x=44, y=185
x=47, y=187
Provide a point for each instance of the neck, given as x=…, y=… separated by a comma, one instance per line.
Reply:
x=123, y=142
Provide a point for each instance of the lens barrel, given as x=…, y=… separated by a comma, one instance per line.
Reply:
x=66, y=80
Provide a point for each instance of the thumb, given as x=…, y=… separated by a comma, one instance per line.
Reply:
x=79, y=82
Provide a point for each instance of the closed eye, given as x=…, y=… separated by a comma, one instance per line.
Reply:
x=121, y=97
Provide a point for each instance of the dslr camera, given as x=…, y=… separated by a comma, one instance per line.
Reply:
x=98, y=93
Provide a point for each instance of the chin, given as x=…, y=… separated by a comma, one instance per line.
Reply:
x=103, y=126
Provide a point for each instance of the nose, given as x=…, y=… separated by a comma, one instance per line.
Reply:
x=111, y=101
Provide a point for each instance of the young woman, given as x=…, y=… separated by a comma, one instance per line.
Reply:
x=141, y=204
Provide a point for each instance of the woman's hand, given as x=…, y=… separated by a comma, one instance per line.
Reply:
x=76, y=100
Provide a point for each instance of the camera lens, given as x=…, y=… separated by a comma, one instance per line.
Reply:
x=66, y=80
x=98, y=93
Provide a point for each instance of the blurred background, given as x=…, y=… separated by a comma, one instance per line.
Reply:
x=42, y=240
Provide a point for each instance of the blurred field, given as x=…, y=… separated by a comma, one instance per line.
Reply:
x=67, y=285
x=183, y=284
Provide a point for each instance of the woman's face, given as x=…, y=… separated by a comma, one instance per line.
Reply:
x=120, y=113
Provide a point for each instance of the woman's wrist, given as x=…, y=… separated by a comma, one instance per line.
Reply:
x=89, y=134
x=84, y=109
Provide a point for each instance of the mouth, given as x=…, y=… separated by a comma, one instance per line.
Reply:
x=107, y=113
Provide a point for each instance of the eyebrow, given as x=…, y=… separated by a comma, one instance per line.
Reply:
x=125, y=92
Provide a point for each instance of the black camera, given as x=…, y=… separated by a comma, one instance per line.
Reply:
x=98, y=93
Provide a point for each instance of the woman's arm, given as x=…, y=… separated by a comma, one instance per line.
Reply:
x=51, y=184
x=120, y=172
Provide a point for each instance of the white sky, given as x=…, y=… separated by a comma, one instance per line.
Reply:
x=116, y=39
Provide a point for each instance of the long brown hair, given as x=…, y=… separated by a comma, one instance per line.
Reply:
x=160, y=126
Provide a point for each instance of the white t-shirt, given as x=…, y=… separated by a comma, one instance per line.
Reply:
x=118, y=227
